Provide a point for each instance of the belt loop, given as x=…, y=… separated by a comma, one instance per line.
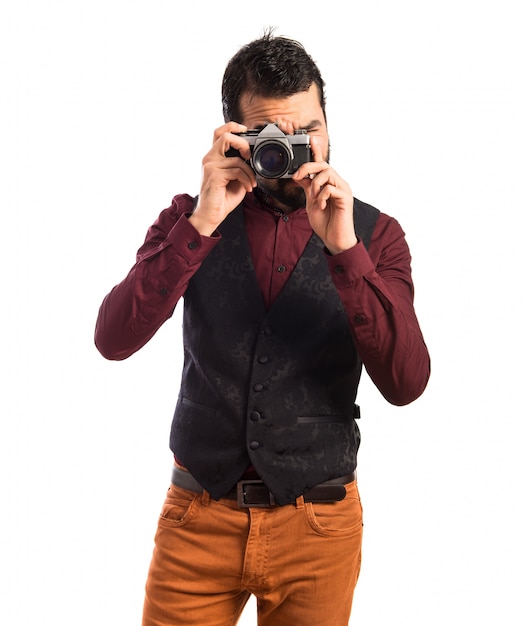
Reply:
x=299, y=502
x=205, y=498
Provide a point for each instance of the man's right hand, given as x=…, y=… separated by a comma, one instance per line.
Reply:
x=225, y=180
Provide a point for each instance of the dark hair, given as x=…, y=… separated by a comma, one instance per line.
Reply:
x=273, y=67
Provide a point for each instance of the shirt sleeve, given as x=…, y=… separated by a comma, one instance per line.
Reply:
x=377, y=292
x=135, y=309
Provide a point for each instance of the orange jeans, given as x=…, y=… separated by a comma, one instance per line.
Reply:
x=301, y=561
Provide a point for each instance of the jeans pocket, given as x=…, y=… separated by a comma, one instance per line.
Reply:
x=179, y=507
x=338, y=519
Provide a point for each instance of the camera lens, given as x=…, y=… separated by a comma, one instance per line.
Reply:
x=271, y=159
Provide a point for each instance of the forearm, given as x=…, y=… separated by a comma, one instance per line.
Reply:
x=133, y=311
x=388, y=338
x=377, y=294
x=136, y=308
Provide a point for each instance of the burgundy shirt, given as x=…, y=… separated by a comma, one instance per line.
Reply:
x=374, y=285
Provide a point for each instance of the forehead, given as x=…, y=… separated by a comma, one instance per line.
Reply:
x=299, y=108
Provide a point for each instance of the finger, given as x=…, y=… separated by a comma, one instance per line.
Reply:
x=219, y=172
x=331, y=193
x=231, y=144
x=305, y=183
x=316, y=149
x=285, y=126
x=320, y=180
x=230, y=127
x=242, y=174
x=309, y=170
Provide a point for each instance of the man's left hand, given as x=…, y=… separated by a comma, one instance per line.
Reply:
x=329, y=202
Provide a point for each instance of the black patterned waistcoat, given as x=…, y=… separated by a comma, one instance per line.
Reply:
x=273, y=388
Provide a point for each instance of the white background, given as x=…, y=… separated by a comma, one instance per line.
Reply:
x=106, y=110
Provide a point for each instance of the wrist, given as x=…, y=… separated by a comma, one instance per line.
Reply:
x=203, y=226
x=342, y=247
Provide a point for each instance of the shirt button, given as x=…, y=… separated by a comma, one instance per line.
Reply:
x=164, y=291
x=285, y=218
x=254, y=445
x=339, y=269
x=359, y=319
x=281, y=268
x=192, y=245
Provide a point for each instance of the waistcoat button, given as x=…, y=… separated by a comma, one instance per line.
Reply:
x=254, y=445
x=255, y=416
x=258, y=387
x=263, y=358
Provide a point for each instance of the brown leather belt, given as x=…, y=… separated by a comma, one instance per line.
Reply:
x=253, y=493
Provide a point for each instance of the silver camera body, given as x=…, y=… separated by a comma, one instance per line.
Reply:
x=275, y=154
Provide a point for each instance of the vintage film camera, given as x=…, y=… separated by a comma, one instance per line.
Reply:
x=275, y=154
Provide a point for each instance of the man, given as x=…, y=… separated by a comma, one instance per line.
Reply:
x=289, y=285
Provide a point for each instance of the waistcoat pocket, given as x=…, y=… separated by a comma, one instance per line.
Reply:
x=196, y=405
x=321, y=419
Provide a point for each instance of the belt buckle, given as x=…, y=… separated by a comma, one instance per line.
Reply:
x=243, y=497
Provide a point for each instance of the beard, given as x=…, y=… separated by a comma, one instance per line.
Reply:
x=288, y=195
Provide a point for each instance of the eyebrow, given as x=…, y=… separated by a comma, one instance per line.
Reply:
x=313, y=124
